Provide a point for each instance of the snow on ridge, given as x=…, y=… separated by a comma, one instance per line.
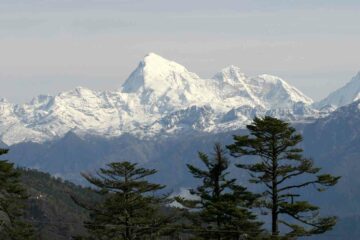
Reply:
x=347, y=94
x=266, y=89
x=160, y=97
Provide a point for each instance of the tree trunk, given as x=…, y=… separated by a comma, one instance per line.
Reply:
x=274, y=210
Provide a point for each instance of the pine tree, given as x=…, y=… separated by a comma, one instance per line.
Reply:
x=130, y=209
x=278, y=164
x=12, y=203
x=221, y=208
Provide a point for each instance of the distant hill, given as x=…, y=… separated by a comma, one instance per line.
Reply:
x=52, y=211
x=50, y=208
x=334, y=143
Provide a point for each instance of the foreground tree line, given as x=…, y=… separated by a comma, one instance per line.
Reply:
x=132, y=207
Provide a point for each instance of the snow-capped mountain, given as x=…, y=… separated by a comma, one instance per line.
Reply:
x=269, y=91
x=343, y=96
x=160, y=97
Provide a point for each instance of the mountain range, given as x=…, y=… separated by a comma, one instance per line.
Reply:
x=160, y=98
x=162, y=115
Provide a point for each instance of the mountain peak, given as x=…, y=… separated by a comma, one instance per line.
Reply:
x=157, y=64
x=230, y=74
x=275, y=88
x=156, y=73
x=270, y=77
x=344, y=95
x=150, y=57
x=152, y=54
x=231, y=68
x=78, y=91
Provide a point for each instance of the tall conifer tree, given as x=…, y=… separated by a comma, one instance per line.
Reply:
x=12, y=204
x=130, y=209
x=277, y=163
x=221, y=208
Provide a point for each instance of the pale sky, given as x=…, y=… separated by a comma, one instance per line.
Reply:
x=48, y=46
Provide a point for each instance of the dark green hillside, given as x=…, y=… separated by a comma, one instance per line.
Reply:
x=51, y=209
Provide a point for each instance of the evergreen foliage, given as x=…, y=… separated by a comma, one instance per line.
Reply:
x=280, y=167
x=13, y=197
x=130, y=210
x=220, y=209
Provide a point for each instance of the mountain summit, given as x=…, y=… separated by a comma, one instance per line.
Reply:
x=263, y=89
x=157, y=74
x=164, y=85
x=343, y=96
x=160, y=97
